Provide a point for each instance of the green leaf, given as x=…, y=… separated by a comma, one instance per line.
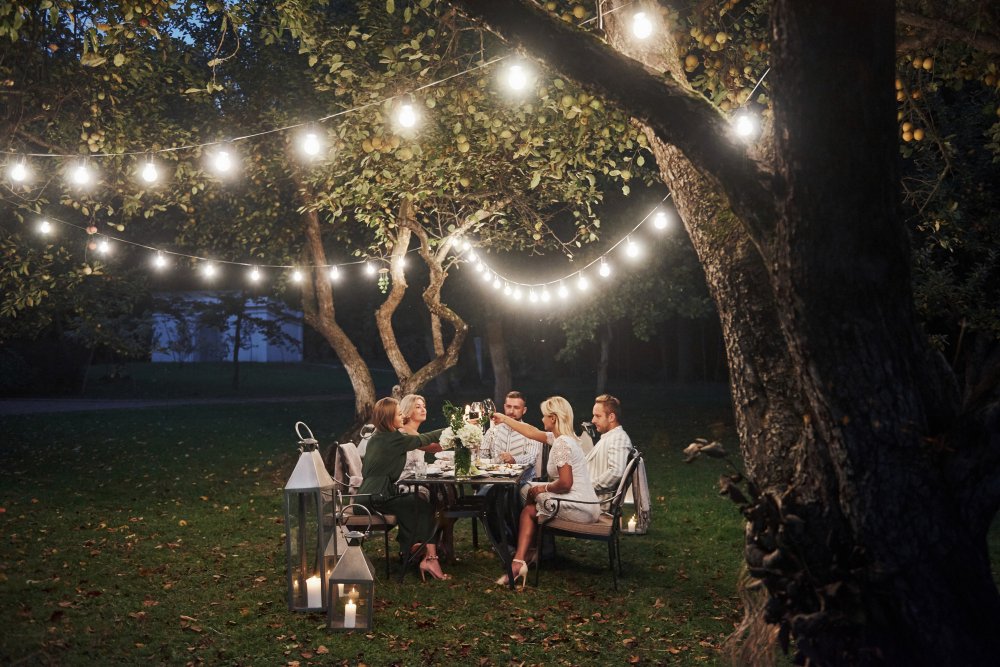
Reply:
x=119, y=59
x=390, y=6
x=314, y=59
x=352, y=45
x=534, y=180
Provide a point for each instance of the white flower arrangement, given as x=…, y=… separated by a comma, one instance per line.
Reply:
x=470, y=435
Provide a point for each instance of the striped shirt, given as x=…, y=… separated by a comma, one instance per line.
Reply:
x=503, y=439
x=607, y=460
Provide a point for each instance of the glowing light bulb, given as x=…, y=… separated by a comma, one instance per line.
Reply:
x=632, y=249
x=297, y=276
x=533, y=296
x=745, y=125
x=369, y=268
x=582, y=283
x=407, y=116
x=103, y=247
x=545, y=295
x=81, y=174
x=480, y=266
x=161, y=261
x=517, y=79
x=486, y=276
x=209, y=269
x=19, y=172
x=496, y=283
x=660, y=220
x=310, y=144
x=149, y=172
x=506, y=290
x=334, y=273
x=255, y=274
x=517, y=293
x=222, y=161
x=563, y=292
x=641, y=26
x=45, y=227
x=465, y=245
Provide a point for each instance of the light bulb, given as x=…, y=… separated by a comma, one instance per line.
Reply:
x=209, y=269
x=486, y=276
x=311, y=144
x=255, y=274
x=103, y=247
x=407, y=117
x=222, y=161
x=45, y=227
x=517, y=293
x=632, y=249
x=533, y=296
x=545, y=295
x=149, y=172
x=369, y=268
x=81, y=175
x=563, y=292
x=660, y=220
x=506, y=290
x=334, y=273
x=161, y=261
x=517, y=78
x=605, y=269
x=496, y=283
x=297, y=276
x=465, y=245
x=582, y=283
x=641, y=25
x=479, y=266
x=19, y=172
x=744, y=125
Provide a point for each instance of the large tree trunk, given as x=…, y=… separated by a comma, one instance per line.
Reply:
x=498, y=356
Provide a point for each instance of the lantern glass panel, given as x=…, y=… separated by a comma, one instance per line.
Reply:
x=307, y=537
x=352, y=605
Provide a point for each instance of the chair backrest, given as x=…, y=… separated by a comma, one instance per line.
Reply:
x=625, y=484
x=367, y=431
x=346, y=453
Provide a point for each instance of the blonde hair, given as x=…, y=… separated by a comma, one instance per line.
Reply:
x=563, y=412
x=384, y=415
x=407, y=405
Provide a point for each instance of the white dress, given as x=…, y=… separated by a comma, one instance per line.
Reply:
x=566, y=451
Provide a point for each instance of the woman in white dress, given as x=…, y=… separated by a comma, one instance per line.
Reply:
x=567, y=468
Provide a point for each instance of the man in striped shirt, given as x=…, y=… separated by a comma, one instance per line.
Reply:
x=606, y=462
x=502, y=440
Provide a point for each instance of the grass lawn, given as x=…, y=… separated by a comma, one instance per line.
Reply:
x=147, y=537
x=215, y=380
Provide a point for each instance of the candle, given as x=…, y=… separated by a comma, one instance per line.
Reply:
x=353, y=595
x=340, y=590
x=313, y=592
x=631, y=525
x=349, y=613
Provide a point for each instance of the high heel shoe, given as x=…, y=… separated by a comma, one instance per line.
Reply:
x=522, y=574
x=426, y=570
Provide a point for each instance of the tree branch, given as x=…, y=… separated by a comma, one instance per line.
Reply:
x=41, y=142
x=943, y=29
x=677, y=115
x=383, y=316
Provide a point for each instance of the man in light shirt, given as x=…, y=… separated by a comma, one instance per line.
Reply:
x=503, y=441
x=606, y=462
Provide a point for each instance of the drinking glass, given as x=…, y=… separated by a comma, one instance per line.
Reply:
x=420, y=470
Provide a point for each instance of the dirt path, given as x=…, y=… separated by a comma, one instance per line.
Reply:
x=28, y=406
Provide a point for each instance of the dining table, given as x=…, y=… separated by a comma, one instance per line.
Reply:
x=499, y=501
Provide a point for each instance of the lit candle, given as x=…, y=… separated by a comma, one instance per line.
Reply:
x=313, y=592
x=350, y=610
x=353, y=595
x=340, y=590
x=631, y=525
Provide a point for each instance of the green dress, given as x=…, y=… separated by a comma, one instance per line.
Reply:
x=384, y=461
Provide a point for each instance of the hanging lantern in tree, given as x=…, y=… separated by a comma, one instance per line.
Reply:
x=351, y=588
x=310, y=531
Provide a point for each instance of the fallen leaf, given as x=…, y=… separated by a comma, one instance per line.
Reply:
x=322, y=649
x=56, y=615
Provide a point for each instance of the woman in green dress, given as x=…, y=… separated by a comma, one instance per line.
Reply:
x=383, y=463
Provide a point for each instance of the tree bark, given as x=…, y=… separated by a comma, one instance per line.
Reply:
x=237, y=331
x=604, y=339
x=498, y=356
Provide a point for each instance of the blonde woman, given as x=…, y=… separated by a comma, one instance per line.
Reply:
x=567, y=468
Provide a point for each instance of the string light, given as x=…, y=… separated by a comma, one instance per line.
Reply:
x=486, y=276
x=310, y=143
x=209, y=269
x=81, y=174
x=641, y=26
x=223, y=162
x=369, y=268
x=582, y=282
x=407, y=116
x=161, y=261
x=149, y=171
x=465, y=245
x=545, y=294
x=517, y=293
x=19, y=171
x=506, y=289
x=533, y=296
x=334, y=274
x=297, y=276
x=480, y=266
x=631, y=248
x=496, y=283
x=255, y=274
x=745, y=124
x=563, y=292
x=660, y=221
x=517, y=78
x=45, y=227
x=103, y=246
x=605, y=268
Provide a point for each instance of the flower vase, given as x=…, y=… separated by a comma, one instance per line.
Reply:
x=463, y=460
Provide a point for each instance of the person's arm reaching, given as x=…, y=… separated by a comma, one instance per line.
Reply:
x=527, y=430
